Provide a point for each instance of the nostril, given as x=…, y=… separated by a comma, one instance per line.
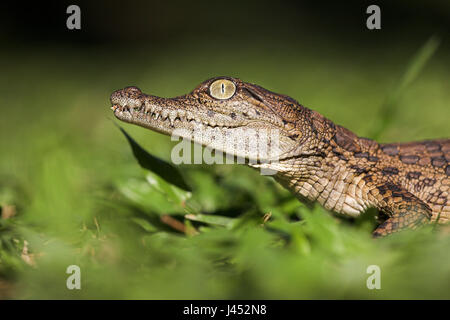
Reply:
x=133, y=90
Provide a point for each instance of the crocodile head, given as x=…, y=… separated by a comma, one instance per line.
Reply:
x=222, y=109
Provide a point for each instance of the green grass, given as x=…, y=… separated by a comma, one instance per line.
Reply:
x=81, y=197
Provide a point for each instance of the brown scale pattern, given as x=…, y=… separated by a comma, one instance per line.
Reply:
x=410, y=182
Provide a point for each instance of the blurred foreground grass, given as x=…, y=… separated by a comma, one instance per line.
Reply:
x=79, y=196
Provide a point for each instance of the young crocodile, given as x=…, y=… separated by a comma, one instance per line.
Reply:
x=317, y=160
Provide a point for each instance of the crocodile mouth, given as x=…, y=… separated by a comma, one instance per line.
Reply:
x=171, y=118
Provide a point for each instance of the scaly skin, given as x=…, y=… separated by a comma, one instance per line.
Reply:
x=318, y=160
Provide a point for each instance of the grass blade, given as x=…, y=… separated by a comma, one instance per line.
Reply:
x=211, y=219
x=163, y=169
x=389, y=110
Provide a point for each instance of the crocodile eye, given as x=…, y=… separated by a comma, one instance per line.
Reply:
x=222, y=89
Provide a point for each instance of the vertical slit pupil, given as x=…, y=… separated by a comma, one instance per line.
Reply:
x=223, y=88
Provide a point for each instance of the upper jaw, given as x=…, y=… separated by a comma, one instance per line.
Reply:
x=166, y=114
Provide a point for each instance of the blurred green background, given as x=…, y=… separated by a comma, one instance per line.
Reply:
x=71, y=191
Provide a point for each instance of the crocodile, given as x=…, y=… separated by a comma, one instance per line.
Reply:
x=317, y=160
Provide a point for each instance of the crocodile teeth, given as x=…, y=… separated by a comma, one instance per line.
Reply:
x=136, y=103
x=172, y=116
x=149, y=107
x=157, y=109
x=164, y=114
x=181, y=113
